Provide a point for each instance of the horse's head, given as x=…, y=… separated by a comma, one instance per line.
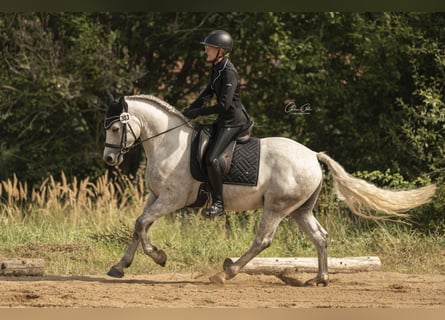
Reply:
x=122, y=131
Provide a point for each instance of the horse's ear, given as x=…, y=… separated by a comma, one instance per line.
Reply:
x=115, y=108
x=110, y=98
x=123, y=103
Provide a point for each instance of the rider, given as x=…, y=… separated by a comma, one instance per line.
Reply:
x=232, y=116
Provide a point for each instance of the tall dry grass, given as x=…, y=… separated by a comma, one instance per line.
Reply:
x=83, y=227
x=75, y=197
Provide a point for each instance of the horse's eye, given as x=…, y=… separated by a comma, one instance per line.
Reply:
x=115, y=129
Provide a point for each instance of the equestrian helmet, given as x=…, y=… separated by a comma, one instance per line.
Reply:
x=218, y=39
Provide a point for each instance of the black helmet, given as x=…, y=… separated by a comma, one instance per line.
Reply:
x=219, y=39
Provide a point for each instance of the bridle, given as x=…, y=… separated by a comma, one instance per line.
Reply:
x=124, y=119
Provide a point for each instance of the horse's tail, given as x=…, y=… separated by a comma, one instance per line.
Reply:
x=362, y=197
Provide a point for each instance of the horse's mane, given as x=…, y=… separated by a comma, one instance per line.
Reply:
x=164, y=104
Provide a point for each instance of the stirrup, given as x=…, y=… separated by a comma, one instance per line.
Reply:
x=217, y=209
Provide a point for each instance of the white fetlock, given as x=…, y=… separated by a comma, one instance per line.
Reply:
x=323, y=279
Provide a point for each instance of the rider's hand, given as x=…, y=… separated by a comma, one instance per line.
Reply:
x=191, y=113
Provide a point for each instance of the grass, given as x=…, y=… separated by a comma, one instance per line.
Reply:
x=82, y=228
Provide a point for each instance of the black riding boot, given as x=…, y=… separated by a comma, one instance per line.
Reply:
x=216, y=185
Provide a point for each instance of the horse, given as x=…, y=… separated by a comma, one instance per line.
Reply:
x=289, y=183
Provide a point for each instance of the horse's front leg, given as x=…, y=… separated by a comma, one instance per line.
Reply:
x=164, y=204
x=143, y=224
x=117, y=271
x=139, y=235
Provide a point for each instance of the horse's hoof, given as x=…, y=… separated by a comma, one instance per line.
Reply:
x=160, y=257
x=227, y=264
x=316, y=281
x=219, y=278
x=115, y=273
x=229, y=269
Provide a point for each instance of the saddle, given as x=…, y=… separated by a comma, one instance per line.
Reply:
x=239, y=160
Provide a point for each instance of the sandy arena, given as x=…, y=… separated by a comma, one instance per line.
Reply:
x=345, y=290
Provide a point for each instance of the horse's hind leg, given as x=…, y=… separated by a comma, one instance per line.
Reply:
x=263, y=239
x=318, y=235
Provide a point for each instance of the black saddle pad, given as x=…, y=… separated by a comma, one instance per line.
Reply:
x=245, y=164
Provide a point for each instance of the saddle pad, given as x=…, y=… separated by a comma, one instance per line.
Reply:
x=245, y=164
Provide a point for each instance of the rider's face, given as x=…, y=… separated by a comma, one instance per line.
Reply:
x=211, y=53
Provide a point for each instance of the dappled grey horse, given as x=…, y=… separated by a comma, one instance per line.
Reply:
x=289, y=183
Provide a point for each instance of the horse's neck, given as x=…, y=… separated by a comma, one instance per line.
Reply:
x=155, y=122
x=165, y=152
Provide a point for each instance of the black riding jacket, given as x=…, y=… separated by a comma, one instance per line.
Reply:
x=225, y=85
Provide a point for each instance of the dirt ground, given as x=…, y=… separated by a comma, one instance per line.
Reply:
x=345, y=290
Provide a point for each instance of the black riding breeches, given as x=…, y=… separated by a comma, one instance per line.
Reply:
x=220, y=141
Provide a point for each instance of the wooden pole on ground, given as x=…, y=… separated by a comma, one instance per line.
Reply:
x=21, y=267
x=261, y=265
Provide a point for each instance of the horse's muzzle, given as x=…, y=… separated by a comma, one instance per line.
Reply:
x=112, y=159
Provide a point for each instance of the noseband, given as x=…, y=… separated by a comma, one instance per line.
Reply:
x=124, y=119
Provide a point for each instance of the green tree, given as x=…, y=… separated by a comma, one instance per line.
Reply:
x=423, y=125
x=55, y=69
x=363, y=73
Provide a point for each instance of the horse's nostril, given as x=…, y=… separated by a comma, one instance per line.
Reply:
x=109, y=159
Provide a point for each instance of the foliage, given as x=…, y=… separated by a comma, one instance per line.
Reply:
x=54, y=70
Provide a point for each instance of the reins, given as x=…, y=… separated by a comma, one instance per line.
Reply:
x=140, y=141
